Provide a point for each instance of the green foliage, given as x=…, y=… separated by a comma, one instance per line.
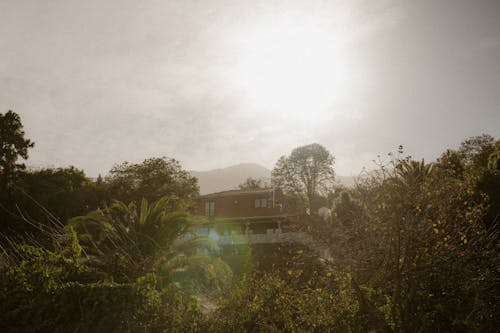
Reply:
x=348, y=212
x=253, y=184
x=475, y=151
x=198, y=274
x=410, y=236
x=126, y=241
x=273, y=302
x=477, y=160
x=152, y=179
x=494, y=158
x=13, y=146
x=47, y=293
x=65, y=192
x=305, y=174
x=41, y=201
x=412, y=248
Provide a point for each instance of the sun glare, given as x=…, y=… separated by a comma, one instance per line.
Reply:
x=291, y=70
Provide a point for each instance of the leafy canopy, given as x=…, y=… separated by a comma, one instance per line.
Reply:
x=306, y=173
x=147, y=237
x=253, y=184
x=13, y=145
x=151, y=179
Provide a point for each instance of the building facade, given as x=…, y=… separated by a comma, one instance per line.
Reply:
x=242, y=204
x=242, y=217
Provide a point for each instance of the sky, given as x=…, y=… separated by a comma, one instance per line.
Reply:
x=222, y=82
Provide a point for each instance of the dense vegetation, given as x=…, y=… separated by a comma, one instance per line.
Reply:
x=413, y=247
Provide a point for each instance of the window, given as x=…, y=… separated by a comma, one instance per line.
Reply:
x=260, y=203
x=209, y=208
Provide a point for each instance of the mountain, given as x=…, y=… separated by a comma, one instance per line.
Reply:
x=229, y=178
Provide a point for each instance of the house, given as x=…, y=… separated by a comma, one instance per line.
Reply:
x=237, y=217
x=242, y=204
x=245, y=211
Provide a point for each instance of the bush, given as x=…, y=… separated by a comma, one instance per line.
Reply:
x=48, y=293
x=282, y=301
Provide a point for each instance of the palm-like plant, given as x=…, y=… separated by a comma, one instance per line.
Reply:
x=128, y=241
x=412, y=173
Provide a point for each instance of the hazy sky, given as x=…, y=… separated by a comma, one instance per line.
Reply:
x=215, y=83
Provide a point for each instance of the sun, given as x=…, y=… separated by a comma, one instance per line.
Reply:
x=290, y=69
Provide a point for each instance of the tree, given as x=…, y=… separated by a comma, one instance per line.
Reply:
x=44, y=199
x=60, y=191
x=306, y=174
x=13, y=145
x=476, y=150
x=43, y=283
x=288, y=289
x=128, y=241
x=477, y=157
x=253, y=184
x=494, y=159
x=151, y=179
x=412, y=243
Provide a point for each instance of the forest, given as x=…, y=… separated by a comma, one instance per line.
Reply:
x=414, y=247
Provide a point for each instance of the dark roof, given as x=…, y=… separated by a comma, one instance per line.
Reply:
x=236, y=192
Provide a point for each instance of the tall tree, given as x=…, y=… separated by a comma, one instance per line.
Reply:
x=306, y=174
x=477, y=157
x=13, y=146
x=152, y=179
x=413, y=235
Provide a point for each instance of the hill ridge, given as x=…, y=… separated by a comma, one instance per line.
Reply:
x=227, y=178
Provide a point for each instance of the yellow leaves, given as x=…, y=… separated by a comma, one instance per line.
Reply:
x=445, y=240
x=435, y=226
x=463, y=238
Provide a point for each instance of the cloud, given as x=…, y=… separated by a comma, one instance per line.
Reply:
x=102, y=82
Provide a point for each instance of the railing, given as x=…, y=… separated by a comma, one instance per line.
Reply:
x=268, y=238
x=273, y=236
